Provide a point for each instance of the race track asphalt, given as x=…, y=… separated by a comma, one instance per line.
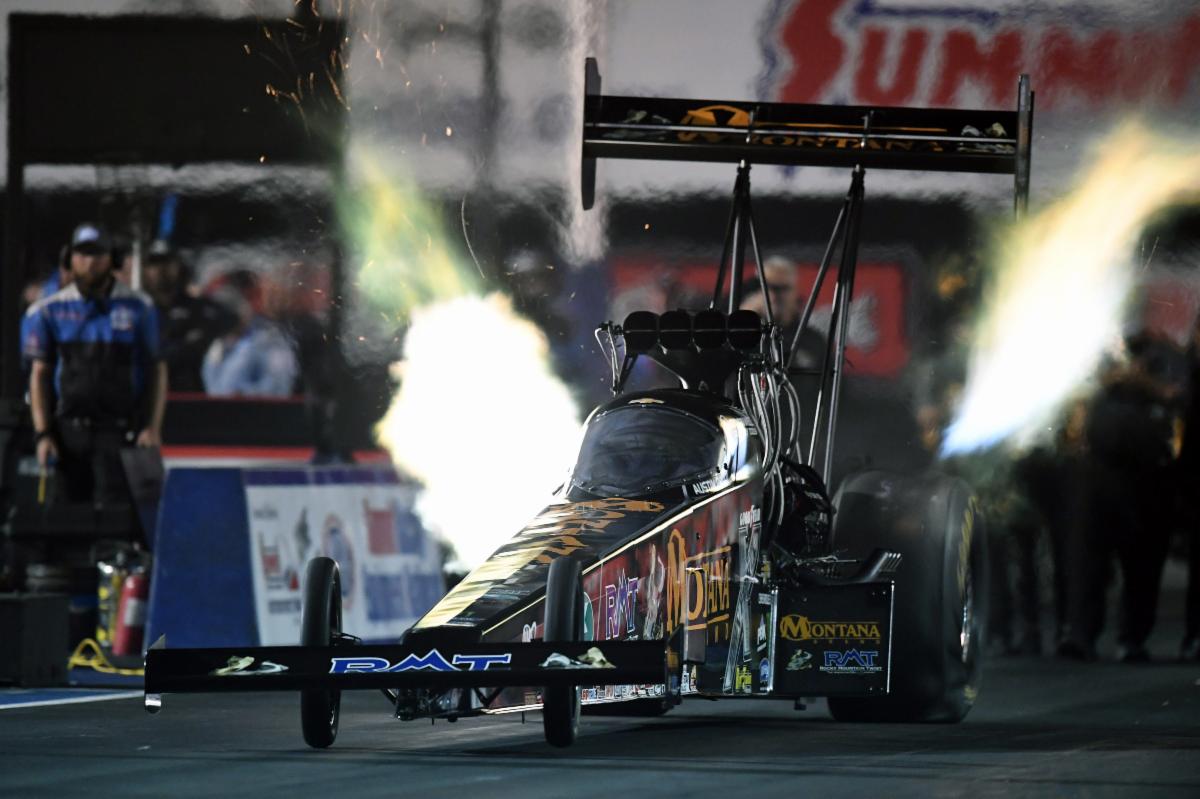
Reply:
x=1042, y=727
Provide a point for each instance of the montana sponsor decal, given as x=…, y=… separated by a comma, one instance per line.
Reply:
x=801, y=134
x=433, y=660
x=801, y=628
x=851, y=661
x=697, y=588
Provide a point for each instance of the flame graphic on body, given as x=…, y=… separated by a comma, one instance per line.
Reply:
x=480, y=418
x=1062, y=278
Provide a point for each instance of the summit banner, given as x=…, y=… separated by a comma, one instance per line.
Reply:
x=1093, y=55
x=361, y=517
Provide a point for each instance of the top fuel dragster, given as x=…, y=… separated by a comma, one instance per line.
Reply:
x=694, y=549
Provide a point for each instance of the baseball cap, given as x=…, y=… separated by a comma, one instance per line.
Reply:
x=89, y=237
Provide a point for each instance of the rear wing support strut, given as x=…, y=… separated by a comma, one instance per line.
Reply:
x=733, y=253
x=1024, y=153
x=833, y=365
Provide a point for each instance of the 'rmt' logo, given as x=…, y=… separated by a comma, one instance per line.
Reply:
x=851, y=661
x=432, y=660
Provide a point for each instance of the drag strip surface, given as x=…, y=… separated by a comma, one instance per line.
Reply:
x=13, y=698
x=1042, y=728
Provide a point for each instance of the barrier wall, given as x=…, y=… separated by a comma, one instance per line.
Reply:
x=232, y=546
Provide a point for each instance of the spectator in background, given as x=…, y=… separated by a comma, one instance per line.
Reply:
x=782, y=279
x=58, y=278
x=97, y=382
x=1188, y=477
x=189, y=323
x=1132, y=442
x=536, y=286
x=255, y=358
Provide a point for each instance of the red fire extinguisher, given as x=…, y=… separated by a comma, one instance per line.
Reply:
x=131, y=615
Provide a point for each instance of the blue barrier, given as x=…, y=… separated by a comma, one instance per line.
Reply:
x=201, y=589
x=232, y=545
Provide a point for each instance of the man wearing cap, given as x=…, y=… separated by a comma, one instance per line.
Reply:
x=97, y=382
x=189, y=324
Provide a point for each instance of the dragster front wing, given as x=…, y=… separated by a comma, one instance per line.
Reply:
x=397, y=666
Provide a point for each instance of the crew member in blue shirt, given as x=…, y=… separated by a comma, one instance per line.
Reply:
x=98, y=382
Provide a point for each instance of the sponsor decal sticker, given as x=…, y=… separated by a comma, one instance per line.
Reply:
x=433, y=660
x=620, y=604
x=800, y=628
x=240, y=666
x=592, y=659
x=851, y=661
x=800, y=661
x=744, y=682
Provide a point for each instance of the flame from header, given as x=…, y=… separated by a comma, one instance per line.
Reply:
x=480, y=418
x=1062, y=278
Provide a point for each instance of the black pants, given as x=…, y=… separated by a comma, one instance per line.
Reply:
x=89, y=462
x=1062, y=500
x=1125, y=513
x=1014, y=580
x=1192, y=601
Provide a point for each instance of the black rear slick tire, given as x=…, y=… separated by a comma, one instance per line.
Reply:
x=940, y=608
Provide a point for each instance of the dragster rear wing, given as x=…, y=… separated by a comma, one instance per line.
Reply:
x=350, y=666
x=883, y=137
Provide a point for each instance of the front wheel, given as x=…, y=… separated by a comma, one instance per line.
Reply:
x=563, y=623
x=321, y=620
x=939, y=612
